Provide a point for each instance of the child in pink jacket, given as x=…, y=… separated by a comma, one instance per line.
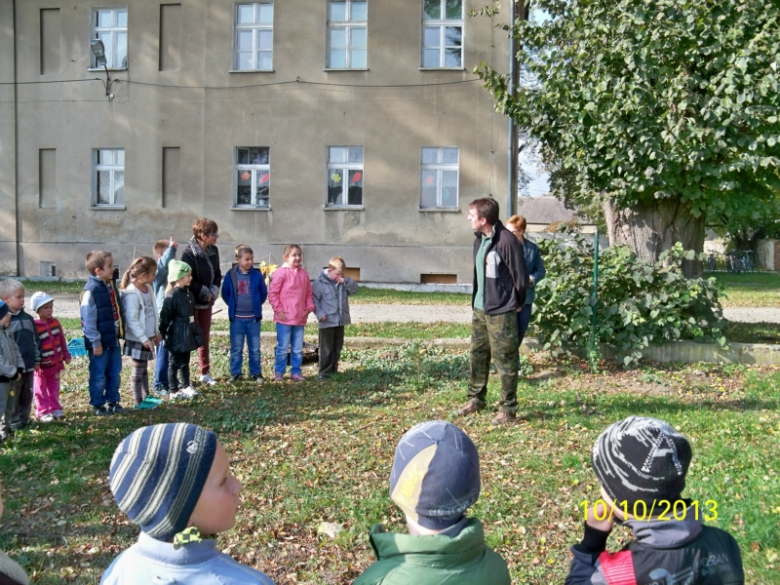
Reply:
x=291, y=299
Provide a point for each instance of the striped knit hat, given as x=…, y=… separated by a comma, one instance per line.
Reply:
x=435, y=476
x=158, y=473
x=642, y=459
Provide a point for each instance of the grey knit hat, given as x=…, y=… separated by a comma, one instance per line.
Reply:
x=642, y=459
x=435, y=476
x=158, y=473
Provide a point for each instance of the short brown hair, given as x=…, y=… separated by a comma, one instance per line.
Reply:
x=204, y=226
x=160, y=246
x=517, y=221
x=289, y=248
x=487, y=208
x=337, y=263
x=97, y=259
x=242, y=249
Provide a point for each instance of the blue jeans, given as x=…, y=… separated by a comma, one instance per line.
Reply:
x=161, y=368
x=287, y=336
x=241, y=329
x=104, y=376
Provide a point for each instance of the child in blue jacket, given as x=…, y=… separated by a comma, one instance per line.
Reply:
x=244, y=292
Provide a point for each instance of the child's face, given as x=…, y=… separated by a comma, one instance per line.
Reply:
x=185, y=280
x=246, y=262
x=15, y=300
x=334, y=274
x=107, y=272
x=46, y=311
x=294, y=258
x=147, y=277
x=6, y=321
x=215, y=511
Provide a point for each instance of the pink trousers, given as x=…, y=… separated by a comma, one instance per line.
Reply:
x=47, y=391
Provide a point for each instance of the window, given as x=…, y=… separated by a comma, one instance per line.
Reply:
x=345, y=176
x=347, y=26
x=254, y=37
x=439, y=178
x=109, y=177
x=253, y=177
x=110, y=26
x=442, y=33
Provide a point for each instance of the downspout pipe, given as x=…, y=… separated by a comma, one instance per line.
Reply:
x=16, y=152
x=511, y=203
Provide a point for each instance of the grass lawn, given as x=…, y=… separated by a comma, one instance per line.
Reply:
x=751, y=289
x=322, y=452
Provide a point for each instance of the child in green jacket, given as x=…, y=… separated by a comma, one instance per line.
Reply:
x=435, y=479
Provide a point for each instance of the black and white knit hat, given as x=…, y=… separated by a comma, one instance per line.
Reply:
x=642, y=459
x=435, y=476
x=158, y=473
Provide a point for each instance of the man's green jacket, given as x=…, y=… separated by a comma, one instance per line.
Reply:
x=434, y=560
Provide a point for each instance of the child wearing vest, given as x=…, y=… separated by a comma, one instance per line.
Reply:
x=54, y=357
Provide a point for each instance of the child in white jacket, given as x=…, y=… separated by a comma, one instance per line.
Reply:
x=143, y=332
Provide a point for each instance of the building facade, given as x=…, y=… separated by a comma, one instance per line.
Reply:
x=355, y=128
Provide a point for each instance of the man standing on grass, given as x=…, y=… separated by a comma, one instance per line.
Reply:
x=500, y=282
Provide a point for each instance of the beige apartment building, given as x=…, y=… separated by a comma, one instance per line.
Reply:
x=353, y=127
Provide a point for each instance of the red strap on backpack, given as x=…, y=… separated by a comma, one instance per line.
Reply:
x=618, y=568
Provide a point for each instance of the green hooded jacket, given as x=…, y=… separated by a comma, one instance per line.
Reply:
x=404, y=559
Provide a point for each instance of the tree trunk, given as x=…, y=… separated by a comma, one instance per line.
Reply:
x=651, y=228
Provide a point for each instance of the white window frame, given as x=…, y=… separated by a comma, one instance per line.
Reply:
x=255, y=28
x=112, y=168
x=256, y=203
x=439, y=167
x=112, y=31
x=349, y=26
x=345, y=168
x=442, y=24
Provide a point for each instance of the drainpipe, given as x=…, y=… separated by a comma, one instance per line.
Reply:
x=511, y=203
x=16, y=153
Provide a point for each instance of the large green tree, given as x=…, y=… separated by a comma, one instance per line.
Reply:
x=668, y=108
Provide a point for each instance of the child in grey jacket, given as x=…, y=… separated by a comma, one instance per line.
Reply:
x=174, y=481
x=11, y=367
x=331, y=305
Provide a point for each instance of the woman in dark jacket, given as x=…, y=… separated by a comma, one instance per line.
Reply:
x=181, y=334
x=202, y=255
x=535, y=266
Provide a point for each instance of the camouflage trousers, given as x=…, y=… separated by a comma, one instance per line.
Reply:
x=496, y=336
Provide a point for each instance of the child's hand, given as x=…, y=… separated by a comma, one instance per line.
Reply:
x=173, y=244
x=97, y=351
x=600, y=510
x=157, y=339
x=282, y=315
x=324, y=318
x=37, y=367
x=149, y=344
x=67, y=361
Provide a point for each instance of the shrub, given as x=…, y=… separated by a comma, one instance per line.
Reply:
x=638, y=303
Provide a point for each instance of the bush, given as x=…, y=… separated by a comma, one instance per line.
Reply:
x=638, y=303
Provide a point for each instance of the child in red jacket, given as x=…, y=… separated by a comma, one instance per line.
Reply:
x=54, y=357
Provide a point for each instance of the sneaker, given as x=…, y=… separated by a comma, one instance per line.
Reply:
x=503, y=418
x=324, y=377
x=297, y=378
x=469, y=408
x=259, y=378
x=100, y=410
x=58, y=414
x=47, y=418
x=153, y=399
x=235, y=378
x=113, y=407
x=162, y=391
x=148, y=404
x=206, y=379
x=180, y=396
x=278, y=377
x=189, y=392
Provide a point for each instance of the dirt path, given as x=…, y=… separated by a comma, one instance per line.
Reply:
x=66, y=306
